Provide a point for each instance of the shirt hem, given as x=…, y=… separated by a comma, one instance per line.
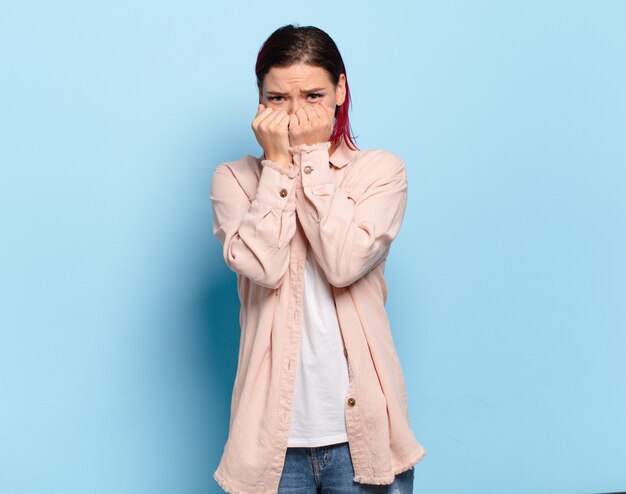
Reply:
x=404, y=466
x=229, y=487
x=305, y=443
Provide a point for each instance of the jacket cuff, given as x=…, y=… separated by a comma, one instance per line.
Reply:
x=307, y=148
x=276, y=185
x=291, y=172
x=313, y=162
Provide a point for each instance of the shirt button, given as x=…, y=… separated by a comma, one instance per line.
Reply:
x=308, y=169
x=345, y=352
x=283, y=192
x=351, y=402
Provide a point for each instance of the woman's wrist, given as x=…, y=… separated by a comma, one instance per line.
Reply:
x=280, y=159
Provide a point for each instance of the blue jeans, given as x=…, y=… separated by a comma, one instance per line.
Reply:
x=329, y=470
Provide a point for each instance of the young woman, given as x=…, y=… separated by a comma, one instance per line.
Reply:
x=319, y=399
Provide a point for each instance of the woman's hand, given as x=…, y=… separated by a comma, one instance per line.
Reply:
x=310, y=124
x=271, y=128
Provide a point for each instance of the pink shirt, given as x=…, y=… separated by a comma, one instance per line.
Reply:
x=349, y=207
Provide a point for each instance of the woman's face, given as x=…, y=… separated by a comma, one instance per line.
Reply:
x=290, y=88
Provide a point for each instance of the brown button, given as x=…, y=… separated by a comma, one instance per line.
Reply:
x=351, y=402
x=308, y=169
x=283, y=192
x=345, y=352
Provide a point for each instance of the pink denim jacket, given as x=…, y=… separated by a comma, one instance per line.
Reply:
x=348, y=208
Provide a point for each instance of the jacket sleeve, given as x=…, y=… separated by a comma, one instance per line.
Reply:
x=349, y=236
x=255, y=233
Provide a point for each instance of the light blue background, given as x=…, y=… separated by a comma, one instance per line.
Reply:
x=507, y=292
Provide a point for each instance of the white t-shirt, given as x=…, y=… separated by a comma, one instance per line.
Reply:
x=322, y=375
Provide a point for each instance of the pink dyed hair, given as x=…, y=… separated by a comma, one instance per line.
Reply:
x=308, y=44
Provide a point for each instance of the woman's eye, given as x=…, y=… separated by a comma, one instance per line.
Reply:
x=315, y=96
x=274, y=98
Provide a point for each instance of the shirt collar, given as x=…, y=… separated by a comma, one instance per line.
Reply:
x=342, y=154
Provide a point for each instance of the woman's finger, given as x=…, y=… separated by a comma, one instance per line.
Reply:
x=266, y=120
x=301, y=116
x=293, y=122
x=262, y=109
x=325, y=112
x=329, y=113
x=281, y=120
x=310, y=112
x=262, y=116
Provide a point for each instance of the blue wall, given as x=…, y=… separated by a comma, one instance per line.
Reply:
x=119, y=320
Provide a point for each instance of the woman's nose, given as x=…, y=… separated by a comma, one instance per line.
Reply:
x=293, y=107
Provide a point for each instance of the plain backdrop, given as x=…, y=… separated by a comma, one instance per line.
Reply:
x=507, y=295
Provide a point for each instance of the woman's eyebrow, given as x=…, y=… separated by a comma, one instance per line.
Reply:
x=313, y=90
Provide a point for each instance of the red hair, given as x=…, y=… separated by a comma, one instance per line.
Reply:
x=308, y=44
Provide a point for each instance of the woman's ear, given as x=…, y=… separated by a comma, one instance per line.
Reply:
x=260, y=93
x=341, y=90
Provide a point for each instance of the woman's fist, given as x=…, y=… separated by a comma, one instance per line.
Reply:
x=310, y=124
x=271, y=128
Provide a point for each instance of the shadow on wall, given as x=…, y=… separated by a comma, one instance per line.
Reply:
x=212, y=313
x=216, y=317
x=218, y=305
x=191, y=341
